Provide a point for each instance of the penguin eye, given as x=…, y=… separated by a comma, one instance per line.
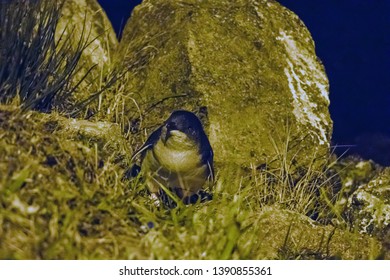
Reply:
x=171, y=125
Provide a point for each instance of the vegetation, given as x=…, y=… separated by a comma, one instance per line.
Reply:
x=36, y=70
x=66, y=193
x=41, y=68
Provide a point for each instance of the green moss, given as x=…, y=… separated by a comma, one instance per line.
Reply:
x=355, y=171
x=368, y=206
x=64, y=196
x=57, y=194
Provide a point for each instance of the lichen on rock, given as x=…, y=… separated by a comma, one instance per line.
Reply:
x=369, y=206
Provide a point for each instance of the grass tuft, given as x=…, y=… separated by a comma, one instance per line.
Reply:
x=37, y=69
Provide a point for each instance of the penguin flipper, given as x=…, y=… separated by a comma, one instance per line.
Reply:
x=150, y=142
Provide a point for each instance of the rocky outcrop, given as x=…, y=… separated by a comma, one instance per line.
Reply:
x=363, y=200
x=85, y=22
x=369, y=207
x=248, y=67
x=284, y=234
x=353, y=172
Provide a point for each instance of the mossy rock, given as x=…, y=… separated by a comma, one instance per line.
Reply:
x=355, y=171
x=283, y=234
x=351, y=173
x=85, y=22
x=369, y=207
x=248, y=68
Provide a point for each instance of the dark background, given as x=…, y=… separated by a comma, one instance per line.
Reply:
x=353, y=41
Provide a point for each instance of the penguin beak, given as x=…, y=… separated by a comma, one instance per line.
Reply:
x=166, y=133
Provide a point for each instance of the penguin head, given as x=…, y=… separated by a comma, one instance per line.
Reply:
x=182, y=127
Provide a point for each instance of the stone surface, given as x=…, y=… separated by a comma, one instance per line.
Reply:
x=369, y=207
x=355, y=171
x=247, y=67
x=88, y=17
x=284, y=234
x=352, y=172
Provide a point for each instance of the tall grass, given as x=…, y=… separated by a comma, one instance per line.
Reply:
x=36, y=69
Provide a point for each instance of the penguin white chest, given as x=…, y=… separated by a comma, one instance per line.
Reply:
x=174, y=157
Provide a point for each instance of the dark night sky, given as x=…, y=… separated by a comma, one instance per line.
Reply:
x=353, y=41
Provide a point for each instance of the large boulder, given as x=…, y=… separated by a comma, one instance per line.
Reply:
x=247, y=67
x=85, y=24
